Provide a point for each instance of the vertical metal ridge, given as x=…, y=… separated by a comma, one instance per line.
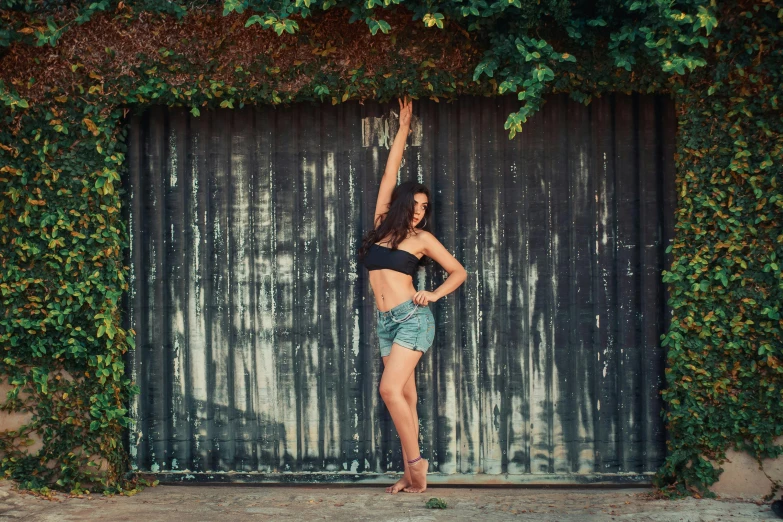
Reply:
x=605, y=325
x=446, y=363
x=430, y=376
x=494, y=245
x=132, y=299
x=651, y=265
x=627, y=270
x=359, y=456
x=515, y=430
x=324, y=218
x=197, y=254
x=561, y=376
x=468, y=207
x=241, y=249
x=158, y=368
x=176, y=278
x=537, y=236
x=507, y=343
x=581, y=458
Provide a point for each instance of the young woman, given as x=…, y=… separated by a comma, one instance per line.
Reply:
x=392, y=252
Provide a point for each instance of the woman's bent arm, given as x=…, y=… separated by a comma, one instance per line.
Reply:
x=455, y=279
x=457, y=273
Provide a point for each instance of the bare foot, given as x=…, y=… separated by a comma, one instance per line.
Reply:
x=400, y=484
x=405, y=481
x=418, y=477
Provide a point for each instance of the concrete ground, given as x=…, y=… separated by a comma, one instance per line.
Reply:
x=357, y=503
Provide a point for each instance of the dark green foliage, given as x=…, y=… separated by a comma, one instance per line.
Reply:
x=62, y=240
x=725, y=348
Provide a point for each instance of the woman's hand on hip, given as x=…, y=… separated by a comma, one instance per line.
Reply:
x=423, y=298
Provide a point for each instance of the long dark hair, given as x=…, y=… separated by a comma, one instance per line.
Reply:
x=397, y=220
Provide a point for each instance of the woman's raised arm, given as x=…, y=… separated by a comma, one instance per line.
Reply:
x=389, y=180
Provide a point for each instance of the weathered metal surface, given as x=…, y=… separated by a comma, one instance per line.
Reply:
x=256, y=349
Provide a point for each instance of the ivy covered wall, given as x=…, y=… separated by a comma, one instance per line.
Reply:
x=71, y=71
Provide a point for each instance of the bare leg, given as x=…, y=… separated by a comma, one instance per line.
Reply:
x=398, y=369
x=409, y=392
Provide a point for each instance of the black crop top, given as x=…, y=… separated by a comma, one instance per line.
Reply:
x=380, y=257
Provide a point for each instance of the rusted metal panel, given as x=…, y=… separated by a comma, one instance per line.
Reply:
x=256, y=350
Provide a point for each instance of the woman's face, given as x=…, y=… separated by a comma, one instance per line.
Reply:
x=421, y=207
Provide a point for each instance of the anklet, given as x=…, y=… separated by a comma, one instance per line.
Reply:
x=415, y=460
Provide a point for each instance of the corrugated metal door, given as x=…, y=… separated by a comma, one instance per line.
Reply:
x=256, y=349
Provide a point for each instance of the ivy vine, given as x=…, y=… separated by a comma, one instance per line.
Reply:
x=70, y=71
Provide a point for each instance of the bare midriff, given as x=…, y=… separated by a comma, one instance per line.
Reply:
x=391, y=288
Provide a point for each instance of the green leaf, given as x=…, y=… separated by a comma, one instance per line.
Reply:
x=706, y=19
x=486, y=67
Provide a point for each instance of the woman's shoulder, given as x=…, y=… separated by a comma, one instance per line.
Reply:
x=424, y=236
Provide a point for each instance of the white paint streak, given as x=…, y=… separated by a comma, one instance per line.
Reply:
x=352, y=262
x=196, y=320
x=265, y=389
x=491, y=453
x=172, y=158
x=356, y=331
x=221, y=284
x=353, y=266
x=332, y=416
x=135, y=434
x=559, y=444
x=152, y=278
x=380, y=132
x=239, y=246
x=177, y=327
x=309, y=279
x=419, y=168
x=604, y=216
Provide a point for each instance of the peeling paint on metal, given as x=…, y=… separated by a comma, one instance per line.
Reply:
x=256, y=350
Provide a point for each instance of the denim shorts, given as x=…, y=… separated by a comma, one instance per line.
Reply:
x=408, y=328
